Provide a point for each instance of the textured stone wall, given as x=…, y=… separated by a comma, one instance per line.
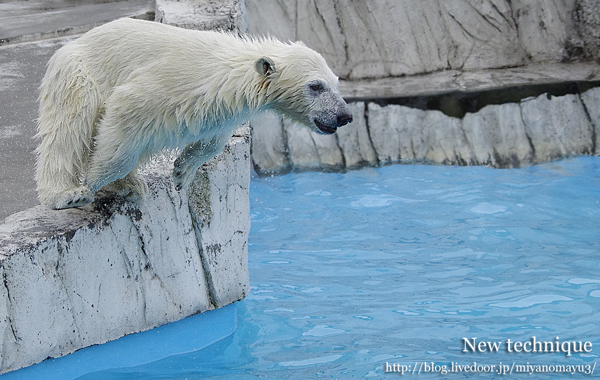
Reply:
x=222, y=15
x=380, y=38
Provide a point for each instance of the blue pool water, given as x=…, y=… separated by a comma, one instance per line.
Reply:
x=398, y=264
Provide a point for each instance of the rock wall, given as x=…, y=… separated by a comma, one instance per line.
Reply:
x=224, y=15
x=381, y=38
x=537, y=129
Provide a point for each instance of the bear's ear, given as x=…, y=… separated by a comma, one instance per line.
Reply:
x=265, y=66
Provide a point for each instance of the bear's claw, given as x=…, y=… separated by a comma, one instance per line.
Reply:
x=182, y=178
x=133, y=188
x=77, y=197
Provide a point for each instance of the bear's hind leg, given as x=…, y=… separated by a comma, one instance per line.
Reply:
x=70, y=105
x=114, y=158
x=58, y=183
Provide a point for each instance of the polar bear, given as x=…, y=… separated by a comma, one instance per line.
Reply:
x=130, y=88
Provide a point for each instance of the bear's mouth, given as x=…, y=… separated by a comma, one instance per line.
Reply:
x=325, y=129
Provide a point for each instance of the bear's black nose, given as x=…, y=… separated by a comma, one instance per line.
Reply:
x=344, y=118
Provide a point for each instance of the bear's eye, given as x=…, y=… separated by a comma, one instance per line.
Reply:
x=316, y=87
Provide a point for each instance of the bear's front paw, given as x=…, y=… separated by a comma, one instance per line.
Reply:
x=182, y=178
x=138, y=191
x=133, y=188
x=77, y=197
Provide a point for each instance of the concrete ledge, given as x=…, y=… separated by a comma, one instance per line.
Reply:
x=459, y=82
x=81, y=277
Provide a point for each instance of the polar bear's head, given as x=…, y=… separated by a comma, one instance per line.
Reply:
x=300, y=85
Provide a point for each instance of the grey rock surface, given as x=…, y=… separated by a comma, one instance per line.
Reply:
x=557, y=126
x=354, y=141
x=375, y=39
x=302, y=150
x=309, y=151
x=225, y=16
x=591, y=101
x=269, y=145
x=535, y=130
x=588, y=25
x=462, y=82
x=220, y=209
x=498, y=137
x=403, y=133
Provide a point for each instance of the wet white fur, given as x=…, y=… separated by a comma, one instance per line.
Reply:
x=130, y=88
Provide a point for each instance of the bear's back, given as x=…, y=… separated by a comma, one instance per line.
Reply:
x=115, y=50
